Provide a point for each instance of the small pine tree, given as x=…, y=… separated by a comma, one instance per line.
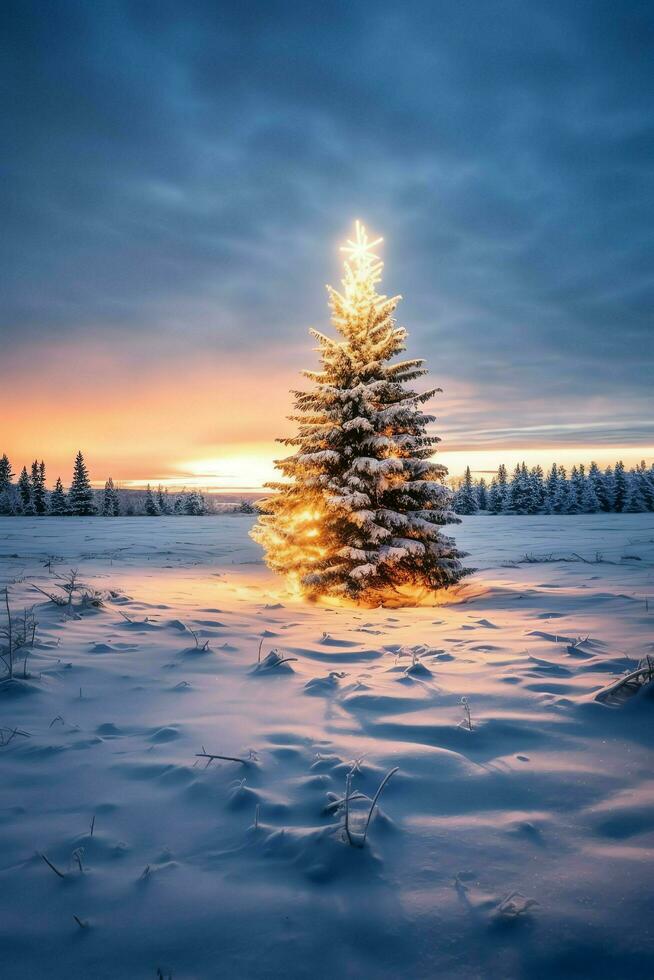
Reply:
x=519, y=497
x=495, y=498
x=178, y=506
x=634, y=502
x=536, y=490
x=163, y=503
x=151, y=508
x=5, y=473
x=58, y=501
x=194, y=505
x=597, y=481
x=80, y=497
x=645, y=479
x=110, y=500
x=25, y=491
x=589, y=502
x=7, y=503
x=482, y=495
x=620, y=485
x=465, y=499
x=552, y=485
x=38, y=487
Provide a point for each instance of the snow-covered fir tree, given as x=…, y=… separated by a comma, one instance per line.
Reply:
x=495, y=498
x=465, y=499
x=589, y=500
x=596, y=481
x=645, y=478
x=361, y=509
x=80, y=497
x=482, y=494
x=519, y=496
x=58, y=500
x=150, y=505
x=503, y=485
x=37, y=480
x=163, y=503
x=6, y=474
x=634, y=501
x=194, y=504
x=25, y=491
x=619, y=486
x=110, y=500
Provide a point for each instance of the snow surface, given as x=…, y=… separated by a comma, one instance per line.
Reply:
x=522, y=848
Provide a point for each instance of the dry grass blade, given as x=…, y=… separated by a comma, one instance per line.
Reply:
x=51, y=865
x=391, y=772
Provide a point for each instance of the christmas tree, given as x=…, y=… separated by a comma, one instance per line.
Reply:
x=360, y=511
x=80, y=497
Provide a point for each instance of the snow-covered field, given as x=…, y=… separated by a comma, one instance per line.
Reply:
x=520, y=849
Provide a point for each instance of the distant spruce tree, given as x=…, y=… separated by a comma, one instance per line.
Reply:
x=194, y=505
x=37, y=480
x=608, y=481
x=58, y=500
x=7, y=503
x=163, y=503
x=25, y=490
x=589, y=501
x=151, y=508
x=620, y=485
x=503, y=484
x=536, y=490
x=465, y=499
x=519, y=497
x=645, y=479
x=5, y=474
x=596, y=480
x=110, y=501
x=482, y=495
x=178, y=506
x=495, y=498
x=80, y=497
x=552, y=484
x=634, y=502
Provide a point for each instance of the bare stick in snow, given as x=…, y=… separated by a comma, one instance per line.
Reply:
x=51, y=865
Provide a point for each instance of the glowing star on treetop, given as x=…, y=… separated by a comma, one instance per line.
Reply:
x=359, y=513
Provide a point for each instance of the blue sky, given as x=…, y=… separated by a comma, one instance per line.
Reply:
x=176, y=178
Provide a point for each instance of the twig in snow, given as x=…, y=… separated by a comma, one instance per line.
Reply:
x=51, y=865
x=82, y=923
x=210, y=756
x=92, y=826
x=8, y=734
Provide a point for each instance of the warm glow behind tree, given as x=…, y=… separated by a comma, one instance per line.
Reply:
x=359, y=512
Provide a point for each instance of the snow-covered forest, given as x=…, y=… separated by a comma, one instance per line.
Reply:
x=527, y=491
x=531, y=491
x=29, y=496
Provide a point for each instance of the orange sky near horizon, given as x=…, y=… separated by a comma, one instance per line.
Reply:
x=210, y=421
